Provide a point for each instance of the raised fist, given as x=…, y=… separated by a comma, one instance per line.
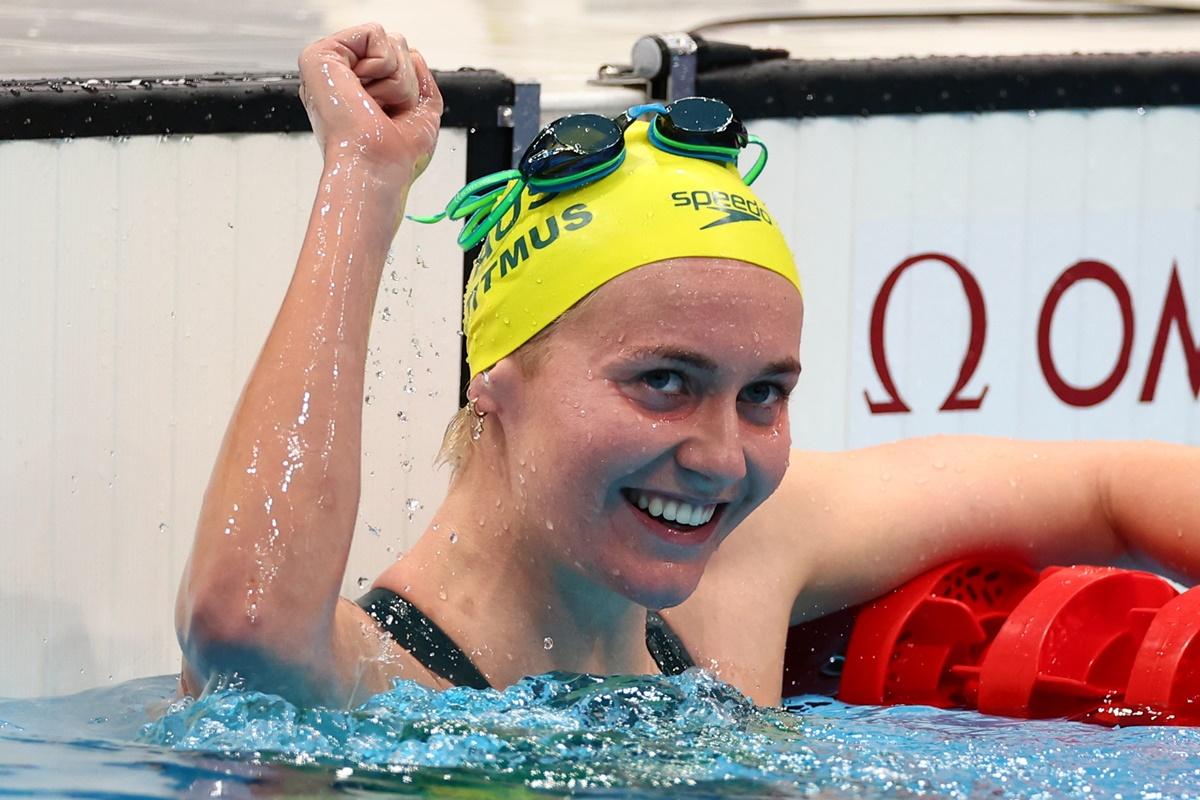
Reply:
x=367, y=94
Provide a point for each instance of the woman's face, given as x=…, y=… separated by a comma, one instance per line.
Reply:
x=664, y=396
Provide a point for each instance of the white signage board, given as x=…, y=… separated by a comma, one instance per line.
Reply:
x=1019, y=274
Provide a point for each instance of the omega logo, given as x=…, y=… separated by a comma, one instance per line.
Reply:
x=1174, y=314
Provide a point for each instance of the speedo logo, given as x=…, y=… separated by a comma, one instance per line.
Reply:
x=539, y=237
x=726, y=207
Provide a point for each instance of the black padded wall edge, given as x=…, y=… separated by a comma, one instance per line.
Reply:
x=931, y=85
x=206, y=104
x=488, y=151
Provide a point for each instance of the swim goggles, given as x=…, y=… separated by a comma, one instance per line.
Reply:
x=579, y=149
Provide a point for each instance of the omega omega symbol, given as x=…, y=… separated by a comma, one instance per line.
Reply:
x=954, y=401
x=1174, y=315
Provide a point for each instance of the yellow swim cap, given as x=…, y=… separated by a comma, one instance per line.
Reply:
x=552, y=250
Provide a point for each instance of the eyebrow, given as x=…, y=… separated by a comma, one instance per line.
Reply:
x=785, y=365
x=693, y=359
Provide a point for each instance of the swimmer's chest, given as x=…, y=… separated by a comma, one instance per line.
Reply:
x=737, y=629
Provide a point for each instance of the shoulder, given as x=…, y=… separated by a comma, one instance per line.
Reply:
x=736, y=621
x=374, y=659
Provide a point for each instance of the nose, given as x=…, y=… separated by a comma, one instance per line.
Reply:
x=713, y=454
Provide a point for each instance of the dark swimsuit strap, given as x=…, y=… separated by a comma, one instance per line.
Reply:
x=430, y=645
x=665, y=647
x=421, y=637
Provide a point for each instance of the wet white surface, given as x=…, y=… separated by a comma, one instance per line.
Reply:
x=559, y=43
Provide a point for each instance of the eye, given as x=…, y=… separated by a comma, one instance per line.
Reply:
x=763, y=393
x=667, y=381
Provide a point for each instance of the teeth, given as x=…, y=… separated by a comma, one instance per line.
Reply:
x=673, y=510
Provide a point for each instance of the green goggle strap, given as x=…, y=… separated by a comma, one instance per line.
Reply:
x=568, y=181
x=480, y=223
x=704, y=149
x=728, y=153
x=761, y=162
x=482, y=210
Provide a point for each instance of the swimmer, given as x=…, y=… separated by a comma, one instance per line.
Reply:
x=622, y=498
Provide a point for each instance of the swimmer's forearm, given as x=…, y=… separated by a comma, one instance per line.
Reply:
x=872, y=519
x=276, y=523
x=1149, y=491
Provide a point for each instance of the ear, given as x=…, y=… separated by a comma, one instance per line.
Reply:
x=497, y=389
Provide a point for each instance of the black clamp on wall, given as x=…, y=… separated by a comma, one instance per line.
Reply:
x=668, y=65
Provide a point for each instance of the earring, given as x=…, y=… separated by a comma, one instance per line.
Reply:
x=477, y=421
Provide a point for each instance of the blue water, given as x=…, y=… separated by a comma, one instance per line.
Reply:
x=562, y=735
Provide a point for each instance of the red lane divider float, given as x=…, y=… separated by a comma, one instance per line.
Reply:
x=1165, y=680
x=1070, y=643
x=906, y=646
x=1101, y=644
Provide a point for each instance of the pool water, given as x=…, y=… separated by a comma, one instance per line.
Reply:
x=567, y=735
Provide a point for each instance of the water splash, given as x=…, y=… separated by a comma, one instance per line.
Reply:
x=554, y=732
x=565, y=735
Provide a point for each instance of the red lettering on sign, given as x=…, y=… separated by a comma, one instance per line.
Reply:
x=954, y=401
x=1174, y=310
x=1084, y=271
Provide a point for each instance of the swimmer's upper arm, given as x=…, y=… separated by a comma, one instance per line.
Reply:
x=861, y=522
x=360, y=660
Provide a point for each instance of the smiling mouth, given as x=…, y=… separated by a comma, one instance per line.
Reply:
x=675, y=517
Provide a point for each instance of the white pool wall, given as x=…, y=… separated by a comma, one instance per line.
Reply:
x=142, y=275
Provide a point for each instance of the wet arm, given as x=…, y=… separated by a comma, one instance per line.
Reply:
x=275, y=527
x=866, y=521
x=259, y=597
